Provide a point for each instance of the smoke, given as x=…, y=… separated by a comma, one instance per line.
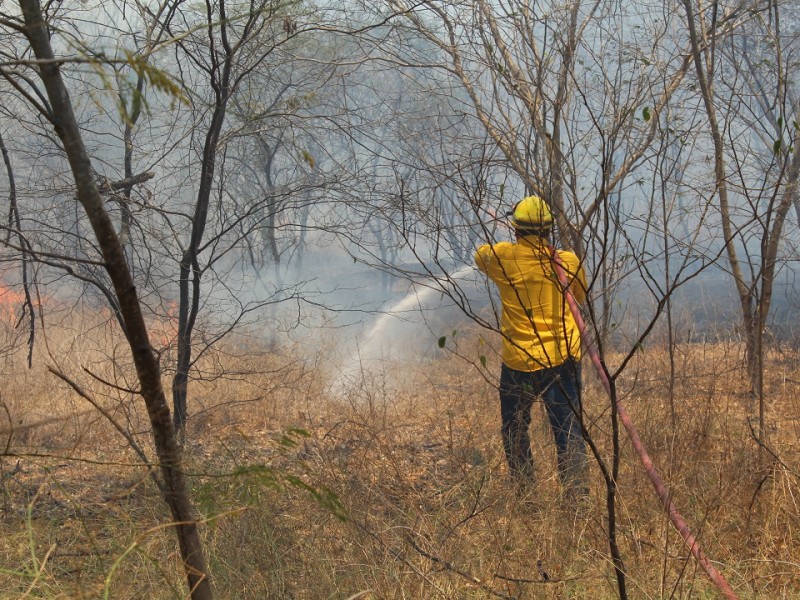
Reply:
x=405, y=332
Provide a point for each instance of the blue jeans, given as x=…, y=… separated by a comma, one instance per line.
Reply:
x=560, y=389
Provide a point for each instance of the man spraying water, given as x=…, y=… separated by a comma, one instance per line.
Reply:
x=541, y=343
x=541, y=325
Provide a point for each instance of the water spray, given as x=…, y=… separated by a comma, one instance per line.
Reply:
x=371, y=345
x=658, y=483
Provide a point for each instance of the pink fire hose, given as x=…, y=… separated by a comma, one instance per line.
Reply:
x=658, y=483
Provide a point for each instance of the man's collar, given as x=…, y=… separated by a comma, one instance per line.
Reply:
x=534, y=241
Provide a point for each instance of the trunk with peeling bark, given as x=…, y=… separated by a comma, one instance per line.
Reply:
x=175, y=490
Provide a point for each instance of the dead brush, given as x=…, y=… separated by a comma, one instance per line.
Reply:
x=418, y=473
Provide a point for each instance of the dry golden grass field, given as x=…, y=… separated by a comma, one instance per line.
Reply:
x=386, y=491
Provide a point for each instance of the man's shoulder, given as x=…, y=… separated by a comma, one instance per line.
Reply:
x=499, y=249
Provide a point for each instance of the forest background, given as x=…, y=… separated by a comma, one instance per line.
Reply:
x=239, y=311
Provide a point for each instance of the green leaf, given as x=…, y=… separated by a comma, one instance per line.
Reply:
x=289, y=438
x=646, y=113
x=776, y=147
x=442, y=341
x=483, y=360
x=158, y=79
x=308, y=158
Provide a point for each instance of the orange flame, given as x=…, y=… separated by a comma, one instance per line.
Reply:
x=11, y=303
x=163, y=329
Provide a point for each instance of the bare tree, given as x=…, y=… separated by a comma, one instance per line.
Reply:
x=756, y=168
x=228, y=37
x=60, y=114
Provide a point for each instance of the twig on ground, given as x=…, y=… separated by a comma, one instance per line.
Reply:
x=450, y=567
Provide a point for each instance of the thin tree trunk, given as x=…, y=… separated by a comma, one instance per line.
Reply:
x=190, y=271
x=769, y=263
x=147, y=368
x=130, y=122
x=14, y=220
x=704, y=77
x=754, y=305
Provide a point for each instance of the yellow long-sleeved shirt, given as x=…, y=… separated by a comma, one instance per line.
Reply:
x=538, y=328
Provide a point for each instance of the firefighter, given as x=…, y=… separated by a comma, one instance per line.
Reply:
x=541, y=344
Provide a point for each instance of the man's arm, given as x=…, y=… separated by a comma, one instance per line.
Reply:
x=487, y=257
x=480, y=260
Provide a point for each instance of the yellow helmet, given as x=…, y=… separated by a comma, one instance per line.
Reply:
x=531, y=213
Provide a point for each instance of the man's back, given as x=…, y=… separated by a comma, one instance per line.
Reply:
x=537, y=326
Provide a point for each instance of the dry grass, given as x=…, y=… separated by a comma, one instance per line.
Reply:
x=419, y=472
